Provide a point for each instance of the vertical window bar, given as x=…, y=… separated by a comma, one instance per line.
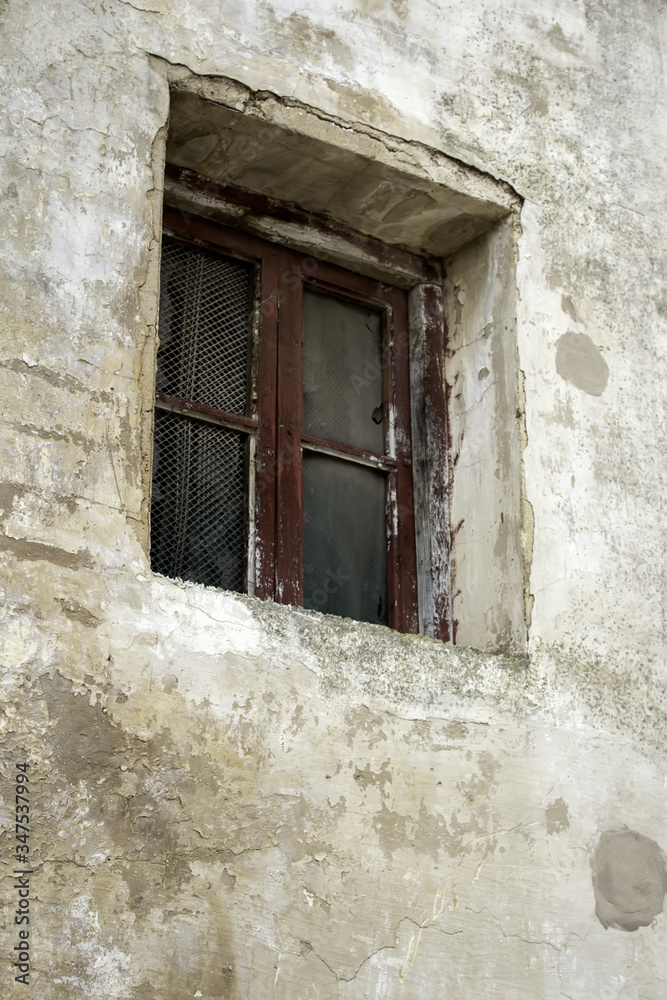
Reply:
x=289, y=487
x=251, y=519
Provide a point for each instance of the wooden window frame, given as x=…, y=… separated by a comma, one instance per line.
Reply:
x=275, y=548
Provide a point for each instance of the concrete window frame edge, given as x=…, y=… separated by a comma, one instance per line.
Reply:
x=488, y=544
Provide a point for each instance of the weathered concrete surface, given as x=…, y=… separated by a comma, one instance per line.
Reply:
x=491, y=518
x=247, y=800
x=238, y=800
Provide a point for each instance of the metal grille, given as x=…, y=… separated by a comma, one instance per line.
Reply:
x=205, y=305
x=198, y=508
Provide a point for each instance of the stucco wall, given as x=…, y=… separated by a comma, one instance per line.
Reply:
x=233, y=799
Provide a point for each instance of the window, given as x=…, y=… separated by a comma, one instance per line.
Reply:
x=400, y=213
x=282, y=452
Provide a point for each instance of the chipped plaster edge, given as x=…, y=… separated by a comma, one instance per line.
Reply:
x=148, y=300
x=527, y=511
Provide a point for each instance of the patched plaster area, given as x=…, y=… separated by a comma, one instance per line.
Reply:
x=580, y=362
x=629, y=878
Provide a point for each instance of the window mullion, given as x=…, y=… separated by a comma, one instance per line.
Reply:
x=264, y=529
x=289, y=502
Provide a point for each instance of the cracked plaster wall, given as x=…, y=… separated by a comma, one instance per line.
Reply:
x=234, y=799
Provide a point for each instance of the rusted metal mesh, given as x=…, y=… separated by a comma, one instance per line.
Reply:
x=199, y=470
x=198, y=507
x=204, y=312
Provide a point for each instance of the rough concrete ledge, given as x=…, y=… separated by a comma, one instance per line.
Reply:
x=415, y=677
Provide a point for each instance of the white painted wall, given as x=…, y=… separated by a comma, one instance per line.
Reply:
x=186, y=835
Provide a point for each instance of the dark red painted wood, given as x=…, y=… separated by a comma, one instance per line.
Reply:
x=347, y=449
x=267, y=394
x=279, y=525
x=435, y=397
x=289, y=486
x=403, y=545
x=189, y=407
x=197, y=231
x=391, y=512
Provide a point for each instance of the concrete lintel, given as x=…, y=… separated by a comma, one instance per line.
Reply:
x=402, y=193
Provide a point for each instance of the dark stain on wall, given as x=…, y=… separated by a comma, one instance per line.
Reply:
x=136, y=799
x=77, y=612
x=37, y=551
x=82, y=736
x=557, y=816
x=629, y=879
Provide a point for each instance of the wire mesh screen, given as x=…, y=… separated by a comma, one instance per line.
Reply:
x=342, y=372
x=344, y=539
x=198, y=507
x=205, y=308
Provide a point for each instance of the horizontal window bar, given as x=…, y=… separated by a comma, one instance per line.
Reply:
x=245, y=425
x=382, y=462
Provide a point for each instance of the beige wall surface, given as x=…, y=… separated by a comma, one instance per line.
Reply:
x=236, y=800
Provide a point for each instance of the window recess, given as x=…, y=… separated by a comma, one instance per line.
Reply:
x=407, y=215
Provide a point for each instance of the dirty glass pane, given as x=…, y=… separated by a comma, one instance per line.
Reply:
x=204, y=328
x=342, y=372
x=198, y=502
x=344, y=539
